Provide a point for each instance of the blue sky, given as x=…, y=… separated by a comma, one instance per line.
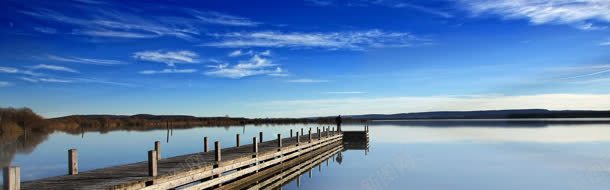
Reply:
x=303, y=58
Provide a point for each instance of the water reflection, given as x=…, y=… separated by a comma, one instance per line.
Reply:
x=292, y=171
x=445, y=154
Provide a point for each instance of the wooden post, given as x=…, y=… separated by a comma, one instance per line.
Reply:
x=217, y=156
x=302, y=133
x=152, y=163
x=319, y=134
x=290, y=133
x=309, y=134
x=260, y=136
x=237, y=140
x=254, y=145
x=298, y=139
x=205, y=144
x=11, y=178
x=72, y=162
x=158, y=149
x=279, y=140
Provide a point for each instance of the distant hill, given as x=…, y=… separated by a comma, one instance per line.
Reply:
x=487, y=114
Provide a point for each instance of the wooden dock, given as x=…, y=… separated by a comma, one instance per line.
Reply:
x=219, y=168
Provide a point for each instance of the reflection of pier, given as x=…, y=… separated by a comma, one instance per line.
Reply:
x=220, y=168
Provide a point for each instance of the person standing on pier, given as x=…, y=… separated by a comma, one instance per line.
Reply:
x=338, y=120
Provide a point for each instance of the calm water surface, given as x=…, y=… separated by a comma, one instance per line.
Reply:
x=448, y=154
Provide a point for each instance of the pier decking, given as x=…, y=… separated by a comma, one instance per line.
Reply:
x=212, y=169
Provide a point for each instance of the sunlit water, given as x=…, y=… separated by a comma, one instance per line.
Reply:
x=402, y=155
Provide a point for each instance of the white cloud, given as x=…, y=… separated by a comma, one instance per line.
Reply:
x=387, y=105
x=407, y=5
x=29, y=79
x=72, y=80
x=223, y=19
x=46, y=30
x=54, y=80
x=167, y=71
x=5, y=84
x=256, y=65
x=54, y=68
x=238, y=53
x=106, y=21
x=8, y=70
x=580, y=14
x=605, y=43
x=345, y=92
x=168, y=57
x=85, y=60
x=320, y=2
x=307, y=81
x=12, y=70
x=333, y=40
x=386, y=3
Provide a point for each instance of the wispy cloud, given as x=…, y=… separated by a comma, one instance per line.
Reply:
x=408, y=5
x=85, y=60
x=46, y=30
x=320, y=2
x=345, y=92
x=256, y=65
x=54, y=68
x=72, y=80
x=5, y=84
x=45, y=80
x=167, y=71
x=581, y=14
x=605, y=43
x=8, y=70
x=115, y=20
x=305, y=80
x=12, y=70
x=239, y=52
x=581, y=71
x=168, y=57
x=334, y=40
x=223, y=19
x=386, y=3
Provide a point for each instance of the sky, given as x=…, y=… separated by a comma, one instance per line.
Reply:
x=302, y=58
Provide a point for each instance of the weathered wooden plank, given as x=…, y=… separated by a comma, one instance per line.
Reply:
x=174, y=171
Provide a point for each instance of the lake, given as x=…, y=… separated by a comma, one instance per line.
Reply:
x=433, y=154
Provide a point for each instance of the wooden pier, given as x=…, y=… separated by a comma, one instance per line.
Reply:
x=228, y=168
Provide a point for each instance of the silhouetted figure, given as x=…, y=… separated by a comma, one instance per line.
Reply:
x=338, y=120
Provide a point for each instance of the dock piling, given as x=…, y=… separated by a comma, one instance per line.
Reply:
x=319, y=134
x=309, y=134
x=298, y=139
x=205, y=144
x=260, y=137
x=302, y=133
x=254, y=145
x=158, y=149
x=237, y=140
x=152, y=163
x=217, y=156
x=72, y=162
x=279, y=140
x=11, y=178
